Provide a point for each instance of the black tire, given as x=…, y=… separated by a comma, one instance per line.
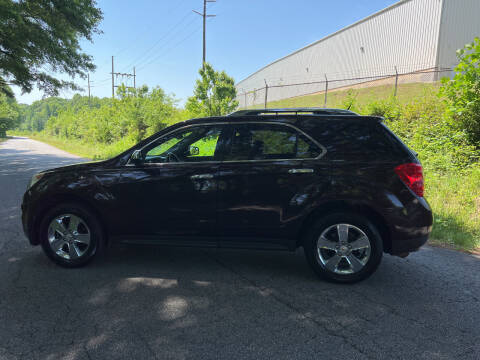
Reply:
x=358, y=222
x=96, y=246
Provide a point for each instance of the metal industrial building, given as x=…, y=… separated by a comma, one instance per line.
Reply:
x=418, y=37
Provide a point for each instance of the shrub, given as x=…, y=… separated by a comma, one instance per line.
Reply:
x=463, y=91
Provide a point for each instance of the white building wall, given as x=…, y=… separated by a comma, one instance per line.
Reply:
x=460, y=23
x=403, y=35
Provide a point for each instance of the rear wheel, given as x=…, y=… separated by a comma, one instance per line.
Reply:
x=343, y=248
x=71, y=236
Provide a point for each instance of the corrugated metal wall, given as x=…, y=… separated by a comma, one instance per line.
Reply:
x=404, y=35
x=460, y=23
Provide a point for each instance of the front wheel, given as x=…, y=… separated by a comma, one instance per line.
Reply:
x=70, y=235
x=343, y=248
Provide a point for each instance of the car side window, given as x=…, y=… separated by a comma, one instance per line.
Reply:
x=354, y=140
x=193, y=144
x=269, y=142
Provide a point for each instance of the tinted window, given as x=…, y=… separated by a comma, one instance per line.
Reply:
x=355, y=140
x=269, y=142
x=192, y=144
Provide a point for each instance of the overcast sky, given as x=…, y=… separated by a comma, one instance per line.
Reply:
x=163, y=39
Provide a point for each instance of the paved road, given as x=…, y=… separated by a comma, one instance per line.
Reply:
x=166, y=303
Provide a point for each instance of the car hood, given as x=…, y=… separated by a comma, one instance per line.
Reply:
x=90, y=165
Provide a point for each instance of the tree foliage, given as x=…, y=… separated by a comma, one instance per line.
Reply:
x=8, y=114
x=463, y=91
x=34, y=33
x=135, y=115
x=214, y=94
x=34, y=117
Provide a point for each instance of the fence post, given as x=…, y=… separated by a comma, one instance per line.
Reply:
x=326, y=91
x=266, y=93
x=396, y=82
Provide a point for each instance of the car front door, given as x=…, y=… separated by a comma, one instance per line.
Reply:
x=265, y=183
x=171, y=195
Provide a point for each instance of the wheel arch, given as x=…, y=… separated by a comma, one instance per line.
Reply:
x=353, y=207
x=58, y=199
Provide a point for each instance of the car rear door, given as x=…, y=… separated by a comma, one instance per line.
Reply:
x=265, y=183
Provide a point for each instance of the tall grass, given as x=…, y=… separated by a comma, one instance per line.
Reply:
x=78, y=147
x=361, y=96
x=455, y=200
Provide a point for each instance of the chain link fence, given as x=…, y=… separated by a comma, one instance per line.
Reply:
x=331, y=90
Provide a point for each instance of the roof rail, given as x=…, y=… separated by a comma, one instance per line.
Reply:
x=310, y=110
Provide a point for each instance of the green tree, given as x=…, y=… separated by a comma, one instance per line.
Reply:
x=34, y=33
x=214, y=94
x=34, y=117
x=129, y=118
x=463, y=91
x=8, y=115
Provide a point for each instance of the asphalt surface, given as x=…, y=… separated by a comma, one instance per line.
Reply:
x=178, y=303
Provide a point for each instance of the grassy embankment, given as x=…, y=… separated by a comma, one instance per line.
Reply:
x=77, y=147
x=362, y=96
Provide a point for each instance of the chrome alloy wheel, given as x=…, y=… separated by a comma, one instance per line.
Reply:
x=343, y=249
x=69, y=236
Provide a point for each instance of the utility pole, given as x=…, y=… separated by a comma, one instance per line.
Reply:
x=204, y=15
x=88, y=76
x=396, y=82
x=122, y=75
x=266, y=93
x=326, y=91
x=113, y=81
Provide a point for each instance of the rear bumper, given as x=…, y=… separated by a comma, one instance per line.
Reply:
x=408, y=245
x=411, y=230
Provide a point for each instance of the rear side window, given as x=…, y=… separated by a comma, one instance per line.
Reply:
x=356, y=140
x=269, y=142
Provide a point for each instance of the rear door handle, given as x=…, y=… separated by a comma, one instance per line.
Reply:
x=201, y=176
x=300, y=171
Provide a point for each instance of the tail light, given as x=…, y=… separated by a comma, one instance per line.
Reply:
x=412, y=175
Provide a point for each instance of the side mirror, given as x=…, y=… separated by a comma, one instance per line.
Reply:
x=136, y=157
x=194, y=150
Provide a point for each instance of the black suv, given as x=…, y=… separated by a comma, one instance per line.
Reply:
x=340, y=185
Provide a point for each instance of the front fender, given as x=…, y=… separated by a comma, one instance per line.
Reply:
x=89, y=189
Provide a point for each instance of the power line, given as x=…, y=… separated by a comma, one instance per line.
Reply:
x=88, y=75
x=148, y=53
x=160, y=51
x=103, y=81
x=151, y=50
x=172, y=10
x=167, y=43
x=169, y=50
x=136, y=38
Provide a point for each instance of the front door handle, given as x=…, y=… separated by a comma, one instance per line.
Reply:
x=300, y=171
x=201, y=176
